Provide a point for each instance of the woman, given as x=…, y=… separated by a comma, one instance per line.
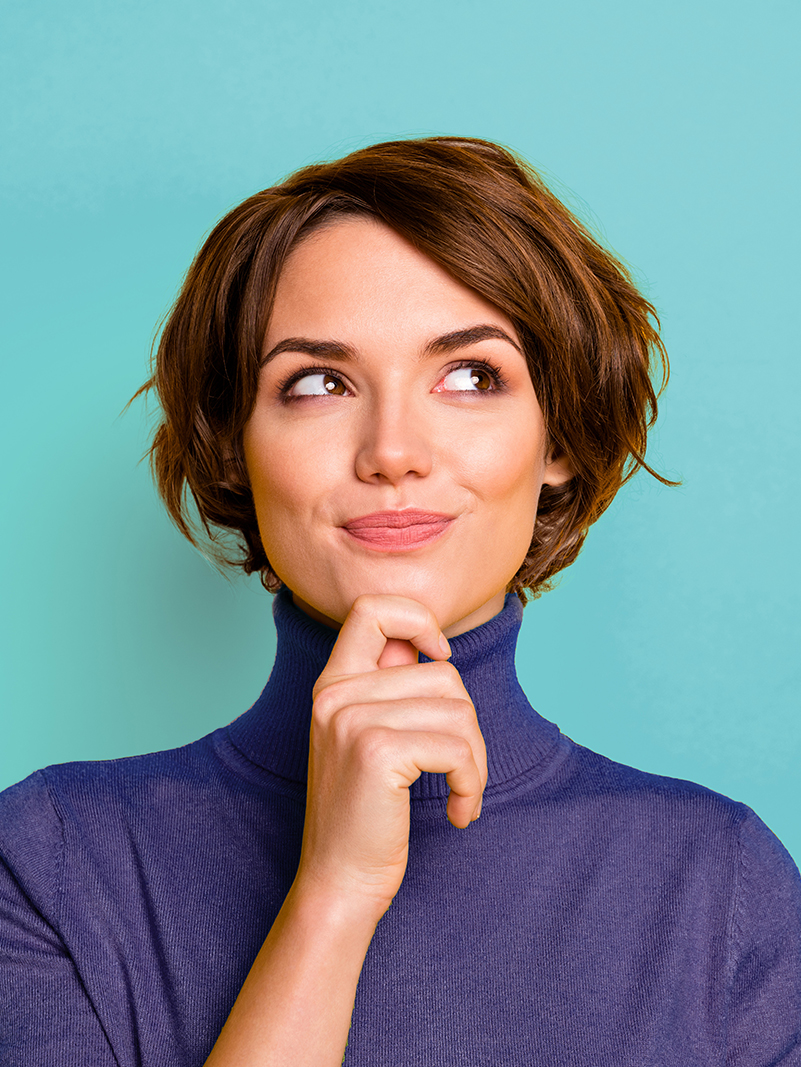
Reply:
x=409, y=381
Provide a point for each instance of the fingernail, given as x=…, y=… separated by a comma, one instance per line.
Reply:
x=443, y=644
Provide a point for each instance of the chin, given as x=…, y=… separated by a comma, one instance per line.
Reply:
x=449, y=604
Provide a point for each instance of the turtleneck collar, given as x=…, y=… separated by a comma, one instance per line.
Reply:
x=274, y=733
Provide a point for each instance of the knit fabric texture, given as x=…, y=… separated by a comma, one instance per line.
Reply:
x=594, y=916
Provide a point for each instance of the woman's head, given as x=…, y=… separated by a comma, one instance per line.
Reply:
x=392, y=394
x=479, y=221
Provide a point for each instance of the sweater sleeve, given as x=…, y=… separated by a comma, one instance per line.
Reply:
x=765, y=973
x=46, y=1016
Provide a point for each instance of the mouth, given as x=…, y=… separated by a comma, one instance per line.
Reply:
x=393, y=531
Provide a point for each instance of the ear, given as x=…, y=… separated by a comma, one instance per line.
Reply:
x=558, y=468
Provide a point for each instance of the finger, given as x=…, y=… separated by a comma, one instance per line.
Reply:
x=377, y=618
x=452, y=716
x=448, y=755
x=397, y=654
x=440, y=716
x=418, y=680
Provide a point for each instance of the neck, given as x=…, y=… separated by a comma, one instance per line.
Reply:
x=274, y=733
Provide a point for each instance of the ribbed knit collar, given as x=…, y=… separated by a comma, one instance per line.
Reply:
x=274, y=733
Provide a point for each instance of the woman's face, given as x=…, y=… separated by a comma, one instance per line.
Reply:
x=388, y=389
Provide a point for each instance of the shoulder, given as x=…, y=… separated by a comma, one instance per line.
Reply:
x=594, y=777
x=680, y=816
x=56, y=805
x=64, y=784
x=724, y=878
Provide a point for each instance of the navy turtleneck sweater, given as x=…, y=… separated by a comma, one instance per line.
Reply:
x=594, y=916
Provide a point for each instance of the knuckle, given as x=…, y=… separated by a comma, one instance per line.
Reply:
x=336, y=693
x=373, y=606
x=327, y=701
x=462, y=749
x=377, y=606
x=345, y=720
x=371, y=745
x=364, y=605
x=446, y=674
x=462, y=713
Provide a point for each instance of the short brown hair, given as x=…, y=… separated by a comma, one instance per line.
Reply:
x=589, y=336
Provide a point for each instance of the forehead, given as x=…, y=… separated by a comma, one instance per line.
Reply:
x=359, y=276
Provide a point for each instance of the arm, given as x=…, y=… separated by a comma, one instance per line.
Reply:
x=46, y=1015
x=296, y=1004
x=373, y=732
x=765, y=969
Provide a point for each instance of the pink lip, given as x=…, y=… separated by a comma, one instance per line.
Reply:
x=390, y=531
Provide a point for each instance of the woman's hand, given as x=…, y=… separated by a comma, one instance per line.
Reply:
x=379, y=719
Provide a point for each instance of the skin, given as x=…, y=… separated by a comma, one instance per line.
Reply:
x=401, y=436
x=398, y=427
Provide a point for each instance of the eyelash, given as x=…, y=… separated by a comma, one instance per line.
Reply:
x=499, y=382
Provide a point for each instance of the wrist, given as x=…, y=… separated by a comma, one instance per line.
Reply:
x=335, y=906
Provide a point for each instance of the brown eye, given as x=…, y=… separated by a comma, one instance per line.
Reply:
x=317, y=384
x=466, y=379
x=333, y=385
x=480, y=379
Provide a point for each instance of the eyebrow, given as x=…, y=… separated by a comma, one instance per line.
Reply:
x=340, y=350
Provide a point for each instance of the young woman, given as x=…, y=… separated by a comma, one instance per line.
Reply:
x=408, y=381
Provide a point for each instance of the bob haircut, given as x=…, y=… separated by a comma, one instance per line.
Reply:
x=590, y=338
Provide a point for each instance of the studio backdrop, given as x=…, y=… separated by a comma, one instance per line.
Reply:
x=129, y=129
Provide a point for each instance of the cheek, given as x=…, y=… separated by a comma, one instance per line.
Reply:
x=277, y=482
x=286, y=473
x=506, y=469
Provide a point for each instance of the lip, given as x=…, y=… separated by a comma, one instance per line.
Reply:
x=394, y=531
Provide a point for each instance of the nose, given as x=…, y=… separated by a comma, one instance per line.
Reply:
x=394, y=443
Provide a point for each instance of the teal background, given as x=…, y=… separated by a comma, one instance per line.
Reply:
x=129, y=129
